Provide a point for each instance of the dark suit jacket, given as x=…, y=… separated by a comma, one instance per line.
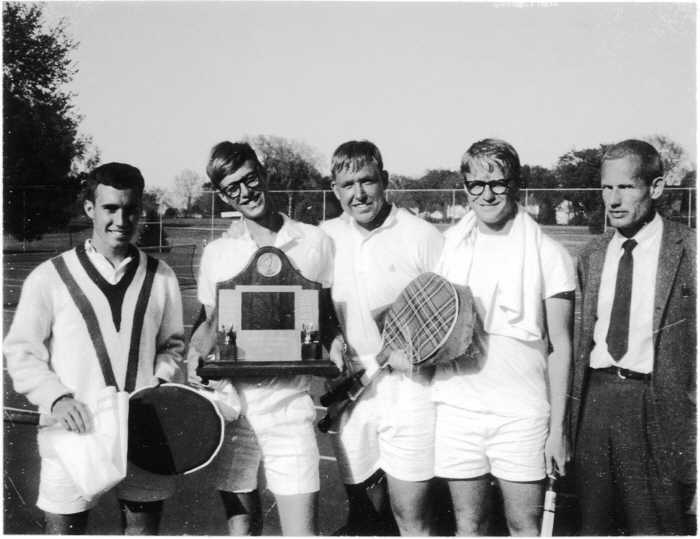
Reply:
x=670, y=406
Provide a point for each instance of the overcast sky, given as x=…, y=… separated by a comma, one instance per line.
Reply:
x=160, y=83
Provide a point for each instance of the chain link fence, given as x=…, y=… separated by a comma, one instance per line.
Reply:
x=563, y=207
x=180, y=239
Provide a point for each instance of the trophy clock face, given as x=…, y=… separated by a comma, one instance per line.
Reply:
x=269, y=264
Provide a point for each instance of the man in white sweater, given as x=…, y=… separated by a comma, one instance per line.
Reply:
x=101, y=314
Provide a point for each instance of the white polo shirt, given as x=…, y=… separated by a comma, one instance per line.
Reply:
x=371, y=270
x=645, y=255
x=309, y=250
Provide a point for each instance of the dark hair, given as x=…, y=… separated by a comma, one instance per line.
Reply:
x=651, y=166
x=355, y=154
x=117, y=175
x=492, y=153
x=227, y=157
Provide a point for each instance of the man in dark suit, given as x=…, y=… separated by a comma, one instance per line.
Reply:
x=634, y=389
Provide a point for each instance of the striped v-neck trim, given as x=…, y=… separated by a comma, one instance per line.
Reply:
x=91, y=318
x=113, y=292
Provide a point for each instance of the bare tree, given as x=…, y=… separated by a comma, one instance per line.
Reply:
x=188, y=187
x=676, y=161
x=290, y=164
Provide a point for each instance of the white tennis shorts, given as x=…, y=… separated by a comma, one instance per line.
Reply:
x=60, y=495
x=391, y=427
x=284, y=441
x=470, y=444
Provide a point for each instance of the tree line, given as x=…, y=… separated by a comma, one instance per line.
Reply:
x=45, y=156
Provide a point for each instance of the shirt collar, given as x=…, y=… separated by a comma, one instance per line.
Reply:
x=643, y=236
x=92, y=251
x=289, y=232
x=388, y=222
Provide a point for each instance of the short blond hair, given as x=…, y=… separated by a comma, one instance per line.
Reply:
x=492, y=154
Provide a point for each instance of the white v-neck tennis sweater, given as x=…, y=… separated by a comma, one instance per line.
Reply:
x=49, y=351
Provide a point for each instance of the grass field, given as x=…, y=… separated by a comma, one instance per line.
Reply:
x=195, y=510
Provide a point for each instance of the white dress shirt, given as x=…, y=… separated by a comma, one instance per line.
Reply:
x=110, y=273
x=640, y=348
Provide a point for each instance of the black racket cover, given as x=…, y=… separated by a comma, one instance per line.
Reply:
x=173, y=429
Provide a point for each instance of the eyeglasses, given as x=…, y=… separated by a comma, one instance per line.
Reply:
x=233, y=190
x=498, y=187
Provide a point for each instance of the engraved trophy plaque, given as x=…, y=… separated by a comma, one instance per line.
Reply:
x=268, y=322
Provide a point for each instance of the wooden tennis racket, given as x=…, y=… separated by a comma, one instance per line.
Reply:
x=418, y=323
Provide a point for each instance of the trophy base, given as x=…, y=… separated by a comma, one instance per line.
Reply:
x=217, y=369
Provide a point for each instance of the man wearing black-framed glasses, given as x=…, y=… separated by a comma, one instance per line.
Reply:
x=232, y=189
x=502, y=414
x=276, y=421
x=497, y=187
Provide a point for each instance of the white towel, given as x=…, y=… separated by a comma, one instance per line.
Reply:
x=518, y=292
x=96, y=460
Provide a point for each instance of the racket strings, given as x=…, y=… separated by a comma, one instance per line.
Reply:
x=423, y=321
x=408, y=347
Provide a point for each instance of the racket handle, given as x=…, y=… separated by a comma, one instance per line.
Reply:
x=19, y=416
x=343, y=390
x=325, y=424
x=550, y=503
x=332, y=417
x=334, y=412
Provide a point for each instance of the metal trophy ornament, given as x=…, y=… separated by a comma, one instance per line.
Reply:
x=269, y=322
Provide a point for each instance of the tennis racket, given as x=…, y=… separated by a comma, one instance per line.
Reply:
x=172, y=428
x=419, y=323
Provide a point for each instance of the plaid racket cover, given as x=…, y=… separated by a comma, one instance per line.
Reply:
x=421, y=319
x=431, y=321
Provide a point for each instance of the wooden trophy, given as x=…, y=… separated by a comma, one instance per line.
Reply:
x=268, y=320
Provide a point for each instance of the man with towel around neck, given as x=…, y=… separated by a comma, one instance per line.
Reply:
x=502, y=413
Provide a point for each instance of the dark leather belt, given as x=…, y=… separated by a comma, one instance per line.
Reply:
x=625, y=373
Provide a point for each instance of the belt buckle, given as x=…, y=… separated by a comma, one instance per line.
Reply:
x=620, y=375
